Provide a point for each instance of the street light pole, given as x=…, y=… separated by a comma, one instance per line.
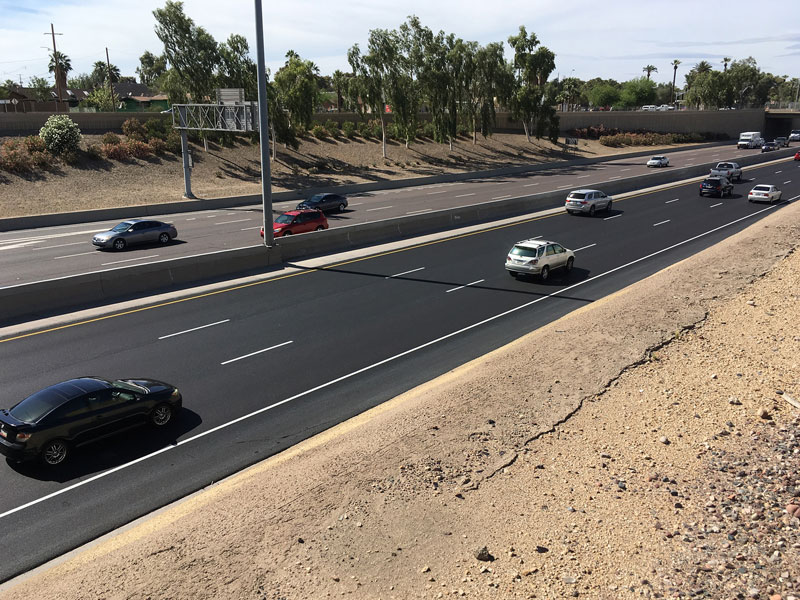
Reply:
x=263, y=132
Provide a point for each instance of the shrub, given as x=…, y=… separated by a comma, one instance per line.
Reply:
x=364, y=129
x=34, y=144
x=173, y=142
x=94, y=151
x=157, y=128
x=111, y=138
x=427, y=130
x=42, y=159
x=134, y=130
x=349, y=129
x=332, y=127
x=71, y=157
x=138, y=149
x=14, y=158
x=319, y=132
x=60, y=134
x=116, y=151
x=157, y=145
x=375, y=129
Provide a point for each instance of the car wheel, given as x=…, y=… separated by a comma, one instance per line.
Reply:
x=320, y=228
x=545, y=272
x=570, y=264
x=608, y=207
x=285, y=233
x=54, y=452
x=164, y=238
x=161, y=415
x=342, y=206
x=119, y=244
x=749, y=199
x=591, y=210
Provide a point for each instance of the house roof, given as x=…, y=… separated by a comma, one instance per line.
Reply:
x=125, y=89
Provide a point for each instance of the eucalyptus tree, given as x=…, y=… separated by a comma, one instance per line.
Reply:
x=369, y=74
x=236, y=68
x=191, y=52
x=151, y=68
x=529, y=102
x=296, y=84
x=487, y=77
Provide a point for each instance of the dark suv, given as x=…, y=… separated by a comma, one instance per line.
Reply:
x=716, y=186
x=49, y=423
x=324, y=202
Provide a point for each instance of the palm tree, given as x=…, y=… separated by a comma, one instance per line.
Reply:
x=725, y=62
x=100, y=71
x=675, y=64
x=649, y=69
x=703, y=67
x=59, y=62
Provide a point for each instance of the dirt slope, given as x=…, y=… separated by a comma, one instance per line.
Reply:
x=655, y=457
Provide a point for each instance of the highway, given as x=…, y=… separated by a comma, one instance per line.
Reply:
x=27, y=256
x=265, y=366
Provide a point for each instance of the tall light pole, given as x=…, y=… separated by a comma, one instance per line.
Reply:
x=263, y=131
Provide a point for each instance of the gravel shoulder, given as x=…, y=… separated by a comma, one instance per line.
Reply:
x=658, y=457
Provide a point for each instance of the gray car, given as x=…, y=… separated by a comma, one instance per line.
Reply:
x=135, y=231
x=587, y=202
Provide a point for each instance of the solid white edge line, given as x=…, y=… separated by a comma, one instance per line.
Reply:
x=416, y=212
x=584, y=247
x=71, y=255
x=404, y=273
x=227, y=362
x=463, y=286
x=378, y=364
x=163, y=337
x=501, y=197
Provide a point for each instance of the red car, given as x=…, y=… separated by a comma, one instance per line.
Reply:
x=298, y=221
x=797, y=155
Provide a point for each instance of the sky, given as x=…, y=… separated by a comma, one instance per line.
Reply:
x=591, y=38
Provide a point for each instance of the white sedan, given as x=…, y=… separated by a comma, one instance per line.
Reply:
x=658, y=161
x=764, y=193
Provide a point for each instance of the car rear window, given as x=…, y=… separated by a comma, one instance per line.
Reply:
x=522, y=251
x=761, y=188
x=36, y=406
x=577, y=195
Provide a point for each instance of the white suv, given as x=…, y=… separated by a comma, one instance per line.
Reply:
x=587, y=201
x=538, y=257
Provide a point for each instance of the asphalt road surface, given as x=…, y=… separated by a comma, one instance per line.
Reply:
x=265, y=366
x=27, y=256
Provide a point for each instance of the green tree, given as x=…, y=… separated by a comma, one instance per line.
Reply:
x=368, y=77
x=100, y=99
x=100, y=72
x=82, y=81
x=529, y=102
x=237, y=69
x=151, y=68
x=488, y=77
x=649, y=69
x=339, y=82
x=604, y=95
x=192, y=53
x=748, y=85
x=637, y=92
x=296, y=85
x=707, y=91
x=59, y=62
x=40, y=88
x=725, y=62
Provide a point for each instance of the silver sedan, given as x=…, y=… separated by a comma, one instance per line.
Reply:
x=135, y=231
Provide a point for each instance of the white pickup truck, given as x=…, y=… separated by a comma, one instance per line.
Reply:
x=730, y=170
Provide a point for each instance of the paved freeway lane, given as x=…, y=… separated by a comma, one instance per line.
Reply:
x=265, y=366
x=46, y=253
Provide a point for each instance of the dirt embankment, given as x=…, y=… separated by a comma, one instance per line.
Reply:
x=643, y=446
x=233, y=171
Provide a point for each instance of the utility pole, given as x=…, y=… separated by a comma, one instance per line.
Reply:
x=57, y=64
x=263, y=131
x=110, y=86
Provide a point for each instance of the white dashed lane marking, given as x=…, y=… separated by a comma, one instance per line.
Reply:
x=717, y=204
x=227, y=362
x=169, y=335
x=675, y=200
x=661, y=223
x=405, y=273
x=461, y=287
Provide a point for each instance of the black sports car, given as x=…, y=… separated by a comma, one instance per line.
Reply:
x=49, y=423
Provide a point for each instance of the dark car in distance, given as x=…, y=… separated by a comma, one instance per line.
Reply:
x=769, y=147
x=716, y=186
x=325, y=202
x=135, y=231
x=50, y=423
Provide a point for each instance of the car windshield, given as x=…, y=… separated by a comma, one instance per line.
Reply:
x=317, y=198
x=127, y=385
x=124, y=226
x=522, y=251
x=36, y=406
x=657, y=158
x=577, y=195
x=285, y=219
x=761, y=188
